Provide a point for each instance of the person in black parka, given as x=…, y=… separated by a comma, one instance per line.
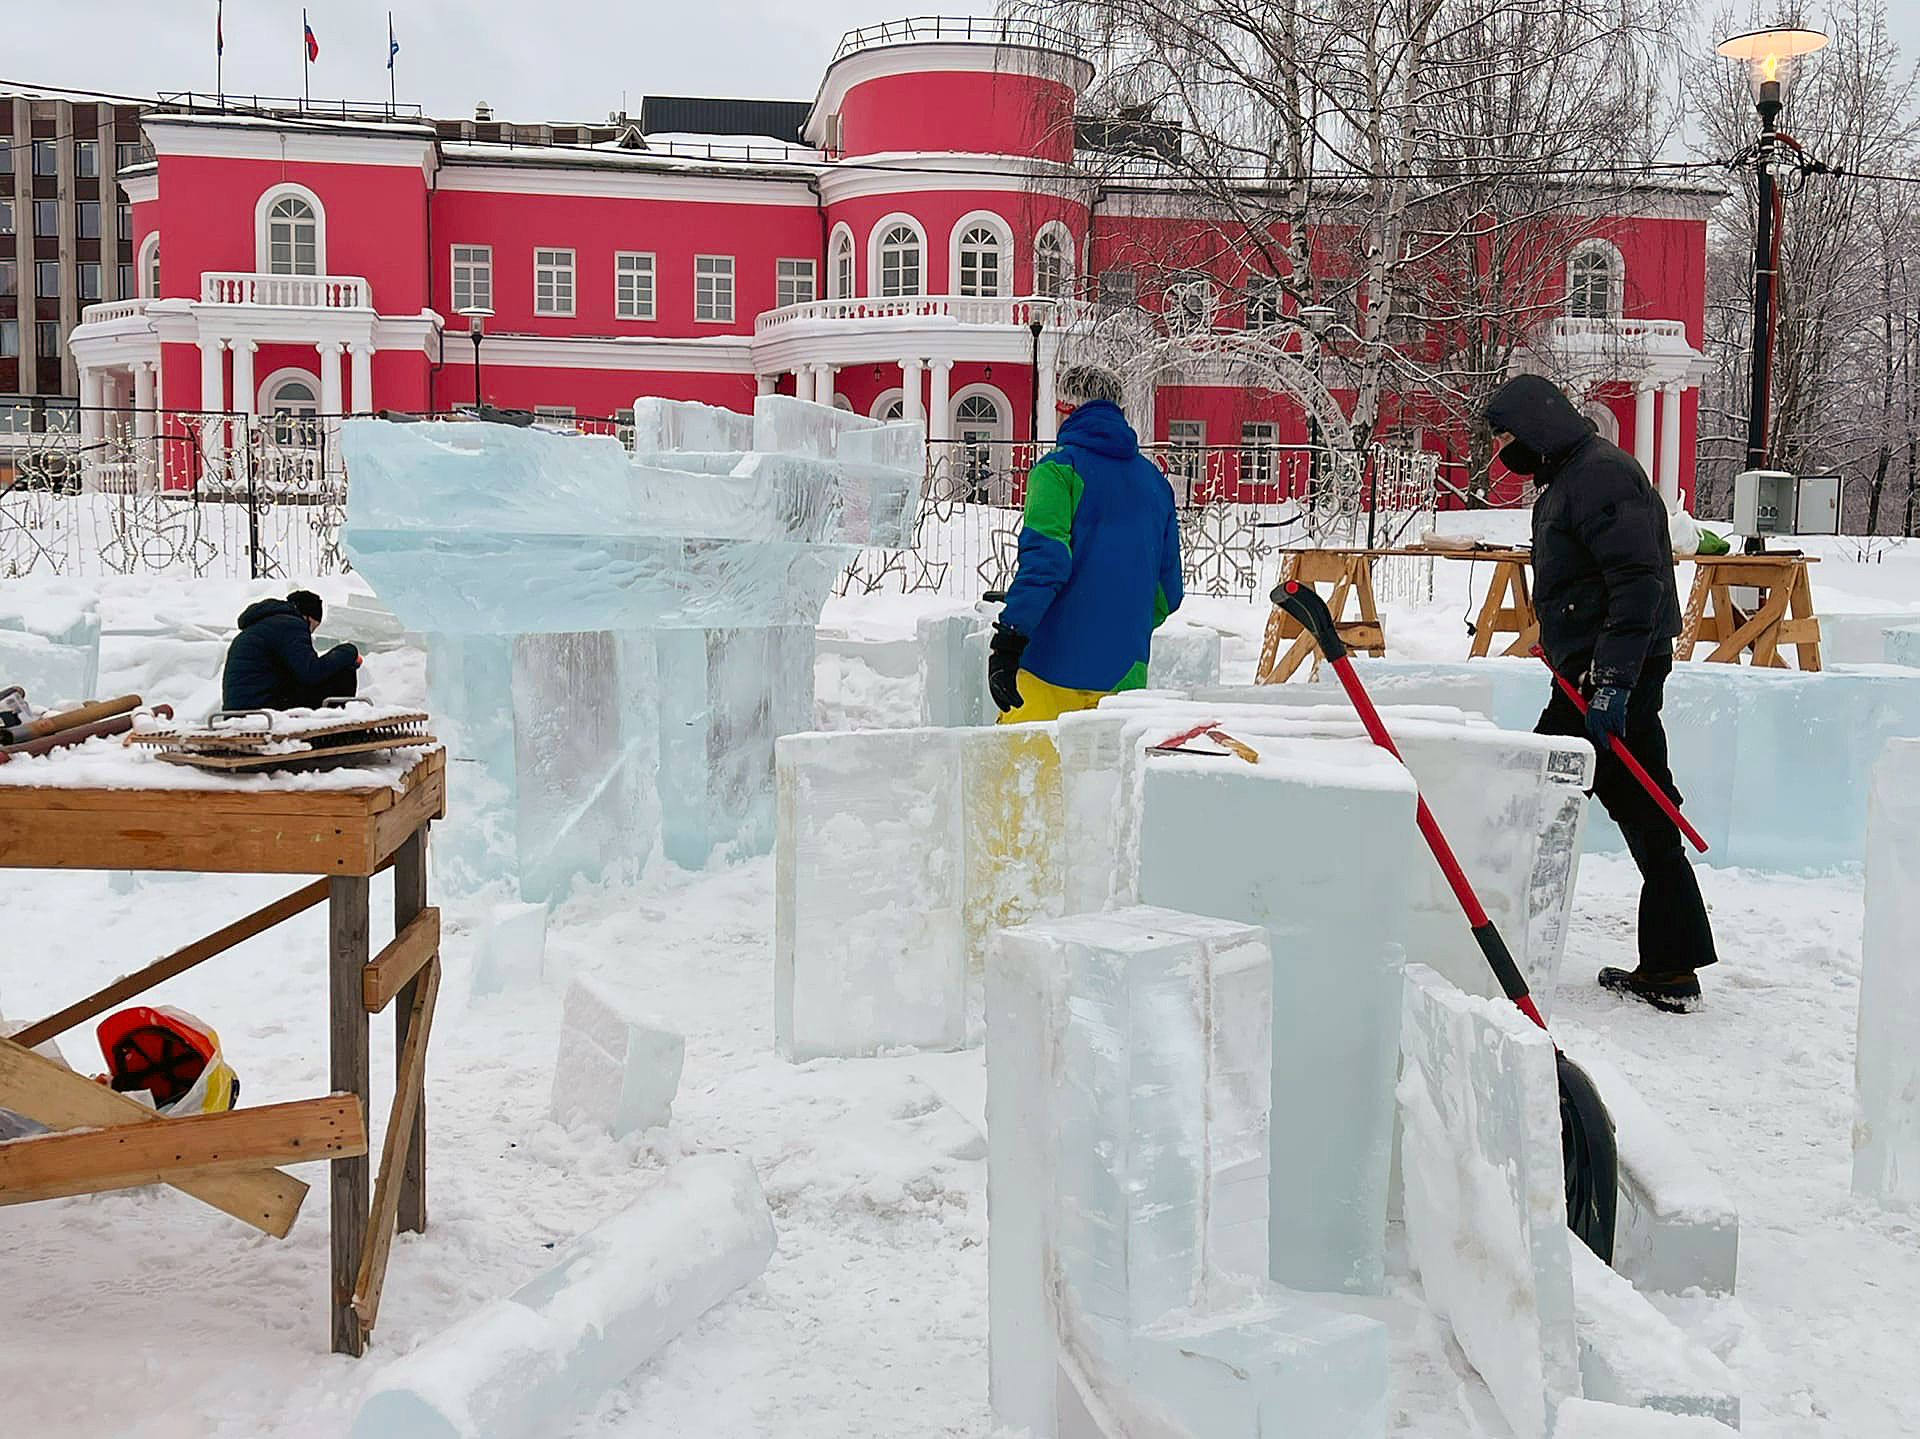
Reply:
x=1604, y=592
x=271, y=663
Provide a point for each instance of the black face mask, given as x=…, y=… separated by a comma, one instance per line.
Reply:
x=1521, y=458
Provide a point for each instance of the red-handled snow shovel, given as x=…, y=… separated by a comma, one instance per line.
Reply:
x=1586, y=1130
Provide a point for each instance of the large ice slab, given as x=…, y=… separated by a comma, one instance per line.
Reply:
x=1632, y=1354
x=1127, y=1058
x=51, y=649
x=615, y=1070
x=1276, y=844
x=1886, y=1127
x=1484, y=1195
x=527, y=1366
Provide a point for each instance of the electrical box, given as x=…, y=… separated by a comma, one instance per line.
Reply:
x=1763, y=502
x=1817, y=511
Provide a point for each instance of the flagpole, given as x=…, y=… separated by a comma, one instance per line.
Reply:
x=392, y=91
x=305, y=63
x=220, y=54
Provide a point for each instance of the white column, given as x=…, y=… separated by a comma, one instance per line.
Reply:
x=146, y=452
x=1670, y=445
x=361, y=401
x=939, y=418
x=243, y=400
x=93, y=403
x=910, y=390
x=213, y=396
x=330, y=378
x=1049, y=422
x=1643, y=428
x=828, y=376
x=767, y=383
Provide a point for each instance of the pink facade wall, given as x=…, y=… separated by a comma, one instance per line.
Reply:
x=937, y=212
x=589, y=393
x=978, y=112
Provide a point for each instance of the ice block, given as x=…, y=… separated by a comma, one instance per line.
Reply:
x=615, y=1070
x=1632, y=1354
x=512, y=950
x=1886, y=1126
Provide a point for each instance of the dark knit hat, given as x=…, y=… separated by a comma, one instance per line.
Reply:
x=307, y=602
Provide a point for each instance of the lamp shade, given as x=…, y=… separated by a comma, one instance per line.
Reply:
x=1770, y=54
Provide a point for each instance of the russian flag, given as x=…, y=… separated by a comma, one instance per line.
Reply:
x=313, y=45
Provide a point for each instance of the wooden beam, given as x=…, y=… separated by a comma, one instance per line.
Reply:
x=347, y=1050
x=198, y=1146
x=409, y=1087
x=61, y=1099
x=409, y=898
x=396, y=965
x=179, y=962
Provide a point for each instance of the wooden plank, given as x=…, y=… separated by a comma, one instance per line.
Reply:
x=394, y=967
x=1800, y=604
x=425, y=802
x=61, y=1099
x=347, y=1048
x=186, y=840
x=359, y=803
x=1696, y=611
x=198, y=1146
x=409, y=899
x=410, y=1078
x=179, y=962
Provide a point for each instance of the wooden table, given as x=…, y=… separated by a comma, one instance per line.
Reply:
x=225, y=1160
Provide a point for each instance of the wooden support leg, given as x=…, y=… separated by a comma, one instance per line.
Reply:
x=346, y=958
x=1696, y=611
x=1483, y=625
x=409, y=898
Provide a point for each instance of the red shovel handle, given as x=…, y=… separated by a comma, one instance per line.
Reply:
x=1634, y=768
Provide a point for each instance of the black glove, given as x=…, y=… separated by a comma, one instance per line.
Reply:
x=1003, y=664
x=1607, y=716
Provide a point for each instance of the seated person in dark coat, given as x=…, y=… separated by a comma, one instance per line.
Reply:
x=271, y=663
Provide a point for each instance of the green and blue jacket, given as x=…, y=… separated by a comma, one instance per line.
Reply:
x=1099, y=564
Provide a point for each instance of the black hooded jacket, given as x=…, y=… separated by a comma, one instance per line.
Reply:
x=271, y=663
x=1603, y=582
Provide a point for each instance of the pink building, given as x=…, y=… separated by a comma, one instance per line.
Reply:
x=915, y=242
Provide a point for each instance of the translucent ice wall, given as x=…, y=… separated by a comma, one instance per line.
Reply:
x=1886, y=1129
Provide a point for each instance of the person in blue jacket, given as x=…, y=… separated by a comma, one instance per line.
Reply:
x=1099, y=565
x=272, y=665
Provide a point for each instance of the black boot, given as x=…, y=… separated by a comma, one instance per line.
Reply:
x=1675, y=991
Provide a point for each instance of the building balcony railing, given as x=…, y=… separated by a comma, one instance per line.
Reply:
x=1579, y=328
x=112, y=310
x=977, y=29
x=964, y=309
x=300, y=292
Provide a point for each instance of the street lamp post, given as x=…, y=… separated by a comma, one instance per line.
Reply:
x=1034, y=327
x=1769, y=55
x=477, y=316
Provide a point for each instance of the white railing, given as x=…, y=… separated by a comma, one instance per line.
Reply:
x=979, y=29
x=112, y=310
x=962, y=309
x=304, y=292
x=1615, y=331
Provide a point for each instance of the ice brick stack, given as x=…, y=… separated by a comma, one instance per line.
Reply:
x=1127, y=1084
x=596, y=616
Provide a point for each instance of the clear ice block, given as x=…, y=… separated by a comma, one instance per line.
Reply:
x=1632, y=1354
x=1277, y=844
x=1886, y=1126
x=1484, y=1195
x=614, y=1070
x=1183, y=657
x=512, y=950
x=1902, y=646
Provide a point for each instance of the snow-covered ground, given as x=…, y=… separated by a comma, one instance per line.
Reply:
x=144, y=1314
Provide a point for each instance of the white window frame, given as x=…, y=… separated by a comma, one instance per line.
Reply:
x=787, y=274
x=1616, y=268
x=1063, y=237
x=629, y=268
x=86, y=147
x=268, y=390
x=262, y=229
x=1262, y=290
x=554, y=268
x=1003, y=410
x=481, y=267
x=711, y=303
x=1259, y=449
x=876, y=273
x=1002, y=251
x=1184, y=436
x=885, y=400
x=147, y=276
x=1102, y=287
x=1179, y=312
x=841, y=280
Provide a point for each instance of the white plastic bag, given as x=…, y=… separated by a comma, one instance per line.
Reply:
x=1685, y=531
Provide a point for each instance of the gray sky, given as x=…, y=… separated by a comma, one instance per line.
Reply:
x=454, y=52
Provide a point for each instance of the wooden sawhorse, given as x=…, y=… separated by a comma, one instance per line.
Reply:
x=1784, y=617
x=1351, y=575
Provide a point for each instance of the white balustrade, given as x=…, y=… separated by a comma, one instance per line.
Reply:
x=961, y=309
x=1613, y=331
x=112, y=310
x=304, y=292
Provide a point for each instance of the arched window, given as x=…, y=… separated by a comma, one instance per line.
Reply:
x=976, y=417
x=1605, y=422
x=981, y=261
x=980, y=421
x=900, y=261
x=1595, y=282
x=293, y=237
x=148, y=274
x=1050, y=264
x=840, y=271
x=292, y=403
x=892, y=405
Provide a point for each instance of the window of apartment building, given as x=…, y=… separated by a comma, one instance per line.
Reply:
x=1117, y=288
x=472, y=277
x=126, y=156
x=9, y=339
x=293, y=237
x=46, y=217
x=6, y=217
x=1257, y=441
x=1190, y=304
x=46, y=157
x=86, y=159
x=633, y=287
x=1050, y=265
x=126, y=290
x=1186, y=445
x=713, y=289
x=6, y=156
x=842, y=266
x=46, y=340
x=46, y=279
x=89, y=280
x=123, y=223
x=793, y=283
x=9, y=278
x=553, y=282
x=87, y=219
x=1262, y=304
x=900, y=261
x=982, y=261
